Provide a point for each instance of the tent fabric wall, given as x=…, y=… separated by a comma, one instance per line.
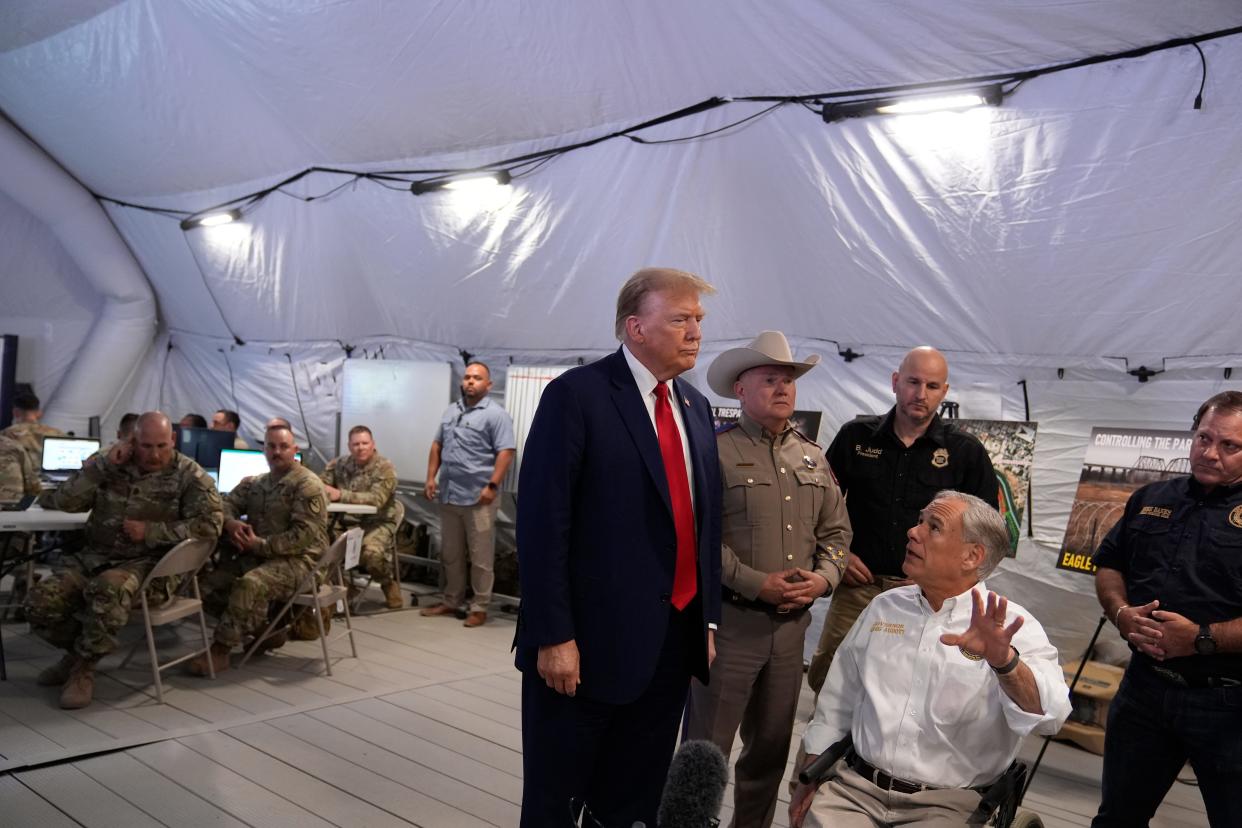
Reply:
x=1089, y=224
x=126, y=318
x=44, y=299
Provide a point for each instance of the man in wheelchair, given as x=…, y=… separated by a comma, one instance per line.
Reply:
x=935, y=685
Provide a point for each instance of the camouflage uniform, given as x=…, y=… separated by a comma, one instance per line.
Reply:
x=17, y=477
x=82, y=608
x=30, y=436
x=290, y=514
x=369, y=485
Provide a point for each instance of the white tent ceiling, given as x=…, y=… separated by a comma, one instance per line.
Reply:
x=1025, y=230
x=1090, y=223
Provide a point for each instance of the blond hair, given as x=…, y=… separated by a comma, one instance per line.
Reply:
x=654, y=280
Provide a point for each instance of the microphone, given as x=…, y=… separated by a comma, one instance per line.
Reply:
x=694, y=790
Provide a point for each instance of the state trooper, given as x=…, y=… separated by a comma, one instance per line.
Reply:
x=368, y=478
x=143, y=500
x=785, y=537
x=270, y=552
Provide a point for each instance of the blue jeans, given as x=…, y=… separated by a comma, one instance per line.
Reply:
x=1154, y=727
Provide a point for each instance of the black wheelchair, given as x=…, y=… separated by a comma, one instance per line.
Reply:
x=999, y=807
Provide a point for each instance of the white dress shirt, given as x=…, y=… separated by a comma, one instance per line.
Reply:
x=923, y=711
x=647, y=382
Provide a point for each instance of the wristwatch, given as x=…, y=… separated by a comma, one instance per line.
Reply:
x=492, y=486
x=1204, y=643
x=1009, y=666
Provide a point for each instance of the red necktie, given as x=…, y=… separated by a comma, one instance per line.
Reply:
x=685, y=582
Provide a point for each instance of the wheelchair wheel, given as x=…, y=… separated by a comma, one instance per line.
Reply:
x=1026, y=819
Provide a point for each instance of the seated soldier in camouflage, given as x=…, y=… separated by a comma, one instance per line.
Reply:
x=367, y=478
x=17, y=477
x=266, y=556
x=27, y=428
x=144, y=499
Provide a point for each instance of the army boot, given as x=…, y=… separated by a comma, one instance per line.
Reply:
x=392, y=595
x=80, y=687
x=58, y=673
x=219, y=655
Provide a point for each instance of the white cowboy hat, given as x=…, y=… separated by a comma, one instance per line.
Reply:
x=768, y=348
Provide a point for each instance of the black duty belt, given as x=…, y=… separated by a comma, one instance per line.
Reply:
x=882, y=780
x=1194, y=682
x=740, y=600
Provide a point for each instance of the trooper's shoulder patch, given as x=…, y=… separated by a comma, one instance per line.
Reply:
x=1235, y=517
x=315, y=504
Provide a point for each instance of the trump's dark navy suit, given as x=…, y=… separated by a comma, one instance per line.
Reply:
x=597, y=551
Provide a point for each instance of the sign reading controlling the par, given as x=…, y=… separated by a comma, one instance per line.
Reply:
x=1118, y=461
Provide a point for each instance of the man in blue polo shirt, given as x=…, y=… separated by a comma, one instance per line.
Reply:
x=471, y=454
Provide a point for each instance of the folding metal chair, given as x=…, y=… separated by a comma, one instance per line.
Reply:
x=186, y=558
x=310, y=593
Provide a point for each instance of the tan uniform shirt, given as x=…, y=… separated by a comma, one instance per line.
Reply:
x=31, y=435
x=782, y=508
x=177, y=503
x=369, y=485
x=290, y=514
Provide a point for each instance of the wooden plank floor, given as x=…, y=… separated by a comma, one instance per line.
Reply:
x=422, y=729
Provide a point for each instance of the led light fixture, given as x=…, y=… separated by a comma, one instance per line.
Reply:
x=909, y=104
x=211, y=219
x=470, y=181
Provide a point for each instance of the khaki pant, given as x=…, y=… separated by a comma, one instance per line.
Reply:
x=847, y=604
x=755, y=682
x=468, y=530
x=847, y=800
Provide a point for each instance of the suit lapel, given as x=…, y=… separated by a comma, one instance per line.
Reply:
x=629, y=402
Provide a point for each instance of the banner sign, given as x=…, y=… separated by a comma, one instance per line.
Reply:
x=1011, y=447
x=1118, y=461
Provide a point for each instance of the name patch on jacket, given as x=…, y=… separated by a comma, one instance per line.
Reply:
x=887, y=627
x=1162, y=512
x=869, y=453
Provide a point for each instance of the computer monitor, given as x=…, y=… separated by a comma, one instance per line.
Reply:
x=236, y=464
x=203, y=445
x=62, y=455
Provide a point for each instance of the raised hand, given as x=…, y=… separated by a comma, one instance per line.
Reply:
x=987, y=634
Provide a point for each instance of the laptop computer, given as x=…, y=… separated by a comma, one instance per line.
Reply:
x=238, y=464
x=19, y=505
x=62, y=456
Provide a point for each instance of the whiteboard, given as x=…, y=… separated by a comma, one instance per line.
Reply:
x=524, y=386
x=401, y=401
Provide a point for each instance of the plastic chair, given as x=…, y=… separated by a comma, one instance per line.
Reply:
x=310, y=593
x=186, y=558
